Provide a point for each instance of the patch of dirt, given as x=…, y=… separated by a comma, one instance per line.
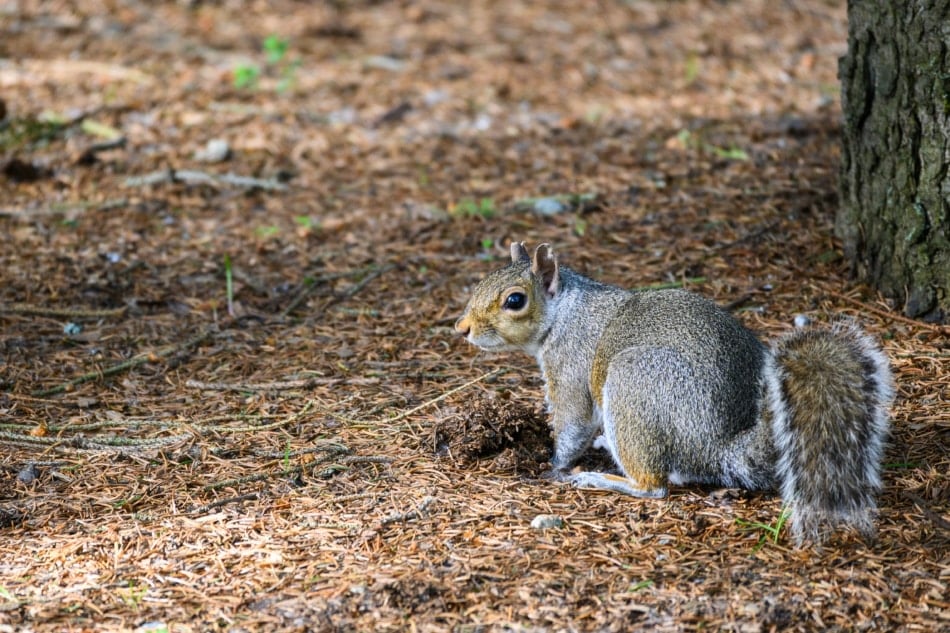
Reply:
x=515, y=437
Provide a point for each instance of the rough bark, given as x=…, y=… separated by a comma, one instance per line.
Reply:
x=894, y=218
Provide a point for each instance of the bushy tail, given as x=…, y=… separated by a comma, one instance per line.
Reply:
x=829, y=392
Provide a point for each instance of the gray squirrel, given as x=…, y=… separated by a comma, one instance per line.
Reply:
x=682, y=392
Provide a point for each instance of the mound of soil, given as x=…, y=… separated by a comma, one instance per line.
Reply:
x=507, y=435
x=515, y=437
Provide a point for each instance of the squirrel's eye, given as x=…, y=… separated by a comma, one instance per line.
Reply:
x=515, y=301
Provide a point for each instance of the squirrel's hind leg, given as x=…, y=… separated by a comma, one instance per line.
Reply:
x=616, y=483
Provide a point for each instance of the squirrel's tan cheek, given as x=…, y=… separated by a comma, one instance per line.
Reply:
x=514, y=331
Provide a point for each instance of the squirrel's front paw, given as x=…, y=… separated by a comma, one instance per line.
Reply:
x=556, y=474
x=585, y=480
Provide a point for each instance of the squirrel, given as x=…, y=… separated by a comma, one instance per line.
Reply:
x=681, y=392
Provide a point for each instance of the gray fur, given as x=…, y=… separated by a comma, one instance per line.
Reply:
x=682, y=392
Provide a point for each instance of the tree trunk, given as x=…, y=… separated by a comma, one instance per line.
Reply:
x=894, y=216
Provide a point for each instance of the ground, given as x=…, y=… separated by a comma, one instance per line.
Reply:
x=231, y=397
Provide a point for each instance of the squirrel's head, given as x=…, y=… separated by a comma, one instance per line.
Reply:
x=507, y=308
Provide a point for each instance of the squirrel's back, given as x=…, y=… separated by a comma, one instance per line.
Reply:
x=722, y=354
x=685, y=377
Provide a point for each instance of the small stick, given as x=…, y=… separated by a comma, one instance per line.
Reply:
x=251, y=496
x=890, y=315
x=938, y=520
x=307, y=289
x=735, y=303
x=428, y=403
x=251, y=478
x=410, y=515
x=280, y=385
x=371, y=274
x=332, y=451
x=105, y=444
x=256, y=428
x=366, y=459
x=89, y=154
x=141, y=359
x=25, y=308
x=284, y=385
x=355, y=497
x=336, y=449
x=352, y=290
x=191, y=176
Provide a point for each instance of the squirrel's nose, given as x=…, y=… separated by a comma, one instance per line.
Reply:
x=462, y=326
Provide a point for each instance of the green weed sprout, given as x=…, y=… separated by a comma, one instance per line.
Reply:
x=770, y=531
x=469, y=207
x=229, y=283
x=246, y=76
x=275, y=49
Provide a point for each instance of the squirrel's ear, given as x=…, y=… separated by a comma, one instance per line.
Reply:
x=518, y=252
x=545, y=267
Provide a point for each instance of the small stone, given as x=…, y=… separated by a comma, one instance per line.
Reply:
x=28, y=475
x=384, y=62
x=547, y=521
x=549, y=206
x=216, y=151
x=802, y=321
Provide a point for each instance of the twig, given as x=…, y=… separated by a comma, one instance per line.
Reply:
x=280, y=385
x=61, y=208
x=371, y=274
x=410, y=515
x=342, y=464
x=73, y=313
x=256, y=428
x=141, y=359
x=283, y=385
x=193, y=177
x=428, y=403
x=332, y=451
x=937, y=520
x=333, y=448
x=251, y=496
x=890, y=315
x=311, y=283
x=237, y=481
x=116, y=445
x=366, y=459
x=355, y=497
x=357, y=287
x=927, y=354
x=88, y=156
x=203, y=425
x=65, y=70
x=735, y=303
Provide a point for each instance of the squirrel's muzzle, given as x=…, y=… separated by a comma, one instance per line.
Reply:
x=462, y=325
